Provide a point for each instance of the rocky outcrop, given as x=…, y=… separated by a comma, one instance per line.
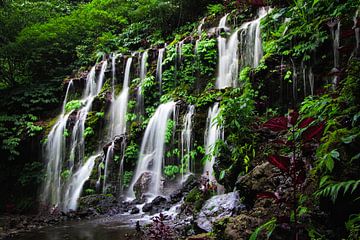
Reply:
x=142, y=185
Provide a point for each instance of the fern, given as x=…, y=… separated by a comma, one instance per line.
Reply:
x=332, y=189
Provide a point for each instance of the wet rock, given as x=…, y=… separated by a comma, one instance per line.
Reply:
x=158, y=205
x=147, y=207
x=142, y=184
x=134, y=210
x=187, y=186
x=137, y=201
x=218, y=207
x=158, y=200
x=176, y=196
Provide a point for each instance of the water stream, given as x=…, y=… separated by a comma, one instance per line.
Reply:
x=151, y=158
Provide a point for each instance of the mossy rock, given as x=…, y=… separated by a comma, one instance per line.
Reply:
x=195, y=198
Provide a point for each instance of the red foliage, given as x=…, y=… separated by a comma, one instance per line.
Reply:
x=304, y=123
x=313, y=132
x=293, y=117
x=283, y=163
x=276, y=124
x=265, y=195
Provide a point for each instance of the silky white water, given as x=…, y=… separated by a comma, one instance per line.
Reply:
x=119, y=106
x=159, y=67
x=77, y=183
x=213, y=132
x=250, y=40
x=151, y=158
x=228, y=69
x=187, y=164
x=56, y=191
x=140, y=95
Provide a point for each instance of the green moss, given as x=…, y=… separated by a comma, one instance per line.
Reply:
x=195, y=198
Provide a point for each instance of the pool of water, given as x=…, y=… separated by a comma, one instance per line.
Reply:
x=110, y=228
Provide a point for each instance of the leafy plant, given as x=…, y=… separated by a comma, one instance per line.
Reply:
x=302, y=135
x=170, y=171
x=73, y=105
x=332, y=189
x=159, y=230
x=88, y=132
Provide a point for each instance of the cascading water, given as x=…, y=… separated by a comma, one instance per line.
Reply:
x=101, y=77
x=335, y=34
x=119, y=106
x=187, y=164
x=311, y=81
x=228, y=61
x=213, y=132
x=222, y=24
x=159, y=67
x=108, y=157
x=250, y=40
x=179, y=47
x=77, y=182
x=118, y=122
x=143, y=71
x=357, y=33
x=55, y=191
x=151, y=158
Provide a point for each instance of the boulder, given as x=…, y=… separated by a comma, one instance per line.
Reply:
x=218, y=207
x=134, y=210
x=142, y=184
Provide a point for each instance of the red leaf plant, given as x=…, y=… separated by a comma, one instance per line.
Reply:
x=293, y=167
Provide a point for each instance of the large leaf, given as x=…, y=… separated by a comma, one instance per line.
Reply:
x=277, y=124
x=293, y=117
x=283, y=163
x=304, y=123
x=313, y=132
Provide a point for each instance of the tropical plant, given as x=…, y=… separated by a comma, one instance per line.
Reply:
x=302, y=135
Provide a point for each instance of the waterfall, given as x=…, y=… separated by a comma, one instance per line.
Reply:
x=222, y=24
x=357, y=33
x=119, y=106
x=70, y=84
x=54, y=154
x=77, y=183
x=109, y=156
x=294, y=82
x=199, y=29
x=77, y=145
x=143, y=71
x=250, y=40
x=118, y=123
x=311, y=81
x=213, y=132
x=102, y=76
x=335, y=34
x=151, y=158
x=55, y=189
x=179, y=50
x=159, y=67
x=228, y=62
x=187, y=164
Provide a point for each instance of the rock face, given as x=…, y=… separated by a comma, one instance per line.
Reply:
x=217, y=207
x=263, y=178
x=142, y=184
x=157, y=205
